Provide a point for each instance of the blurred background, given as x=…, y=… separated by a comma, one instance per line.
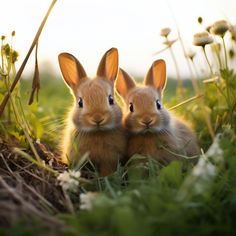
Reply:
x=88, y=28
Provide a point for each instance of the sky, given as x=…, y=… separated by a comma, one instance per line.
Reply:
x=88, y=28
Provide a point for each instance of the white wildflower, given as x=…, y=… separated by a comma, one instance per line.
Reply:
x=204, y=172
x=165, y=32
x=215, y=150
x=199, y=179
x=86, y=200
x=202, y=39
x=204, y=168
x=37, y=141
x=69, y=180
x=220, y=27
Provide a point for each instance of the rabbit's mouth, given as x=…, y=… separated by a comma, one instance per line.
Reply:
x=148, y=129
x=99, y=128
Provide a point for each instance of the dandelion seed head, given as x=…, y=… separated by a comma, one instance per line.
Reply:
x=165, y=32
x=15, y=56
x=233, y=32
x=208, y=28
x=6, y=49
x=190, y=54
x=231, y=53
x=202, y=39
x=169, y=43
x=220, y=28
x=200, y=20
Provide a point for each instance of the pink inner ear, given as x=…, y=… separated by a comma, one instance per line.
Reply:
x=111, y=70
x=108, y=66
x=159, y=74
x=72, y=71
x=124, y=83
x=112, y=65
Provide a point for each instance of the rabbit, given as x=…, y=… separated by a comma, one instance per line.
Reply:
x=152, y=130
x=94, y=123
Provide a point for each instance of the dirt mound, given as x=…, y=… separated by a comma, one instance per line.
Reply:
x=28, y=191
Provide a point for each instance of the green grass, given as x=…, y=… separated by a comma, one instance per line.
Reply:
x=54, y=97
x=154, y=200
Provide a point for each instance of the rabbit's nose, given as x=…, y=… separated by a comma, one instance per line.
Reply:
x=147, y=122
x=98, y=122
x=98, y=119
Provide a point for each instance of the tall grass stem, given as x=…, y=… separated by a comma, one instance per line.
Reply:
x=208, y=63
x=18, y=75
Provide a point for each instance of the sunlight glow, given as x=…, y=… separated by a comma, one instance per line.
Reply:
x=88, y=28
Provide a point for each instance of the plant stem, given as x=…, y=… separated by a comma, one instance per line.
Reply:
x=204, y=51
x=227, y=77
x=18, y=75
x=219, y=59
x=180, y=83
x=194, y=78
x=186, y=101
x=204, y=110
x=194, y=81
x=225, y=52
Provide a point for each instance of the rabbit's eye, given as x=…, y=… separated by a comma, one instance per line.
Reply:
x=80, y=102
x=131, y=107
x=158, y=103
x=111, y=100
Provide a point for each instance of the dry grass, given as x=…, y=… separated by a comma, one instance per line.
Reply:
x=28, y=191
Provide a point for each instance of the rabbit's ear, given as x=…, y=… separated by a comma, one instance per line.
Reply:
x=156, y=75
x=109, y=65
x=124, y=83
x=72, y=71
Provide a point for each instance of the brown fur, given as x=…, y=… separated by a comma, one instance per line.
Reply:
x=95, y=128
x=151, y=131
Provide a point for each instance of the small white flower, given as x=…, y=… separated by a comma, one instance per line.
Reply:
x=204, y=169
x=69, y=180
x=215, y=150
x=86, y=200
x=220, y=27
x=202, y=39
x=200, y=178
x=37, y=141
x=165, y=32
